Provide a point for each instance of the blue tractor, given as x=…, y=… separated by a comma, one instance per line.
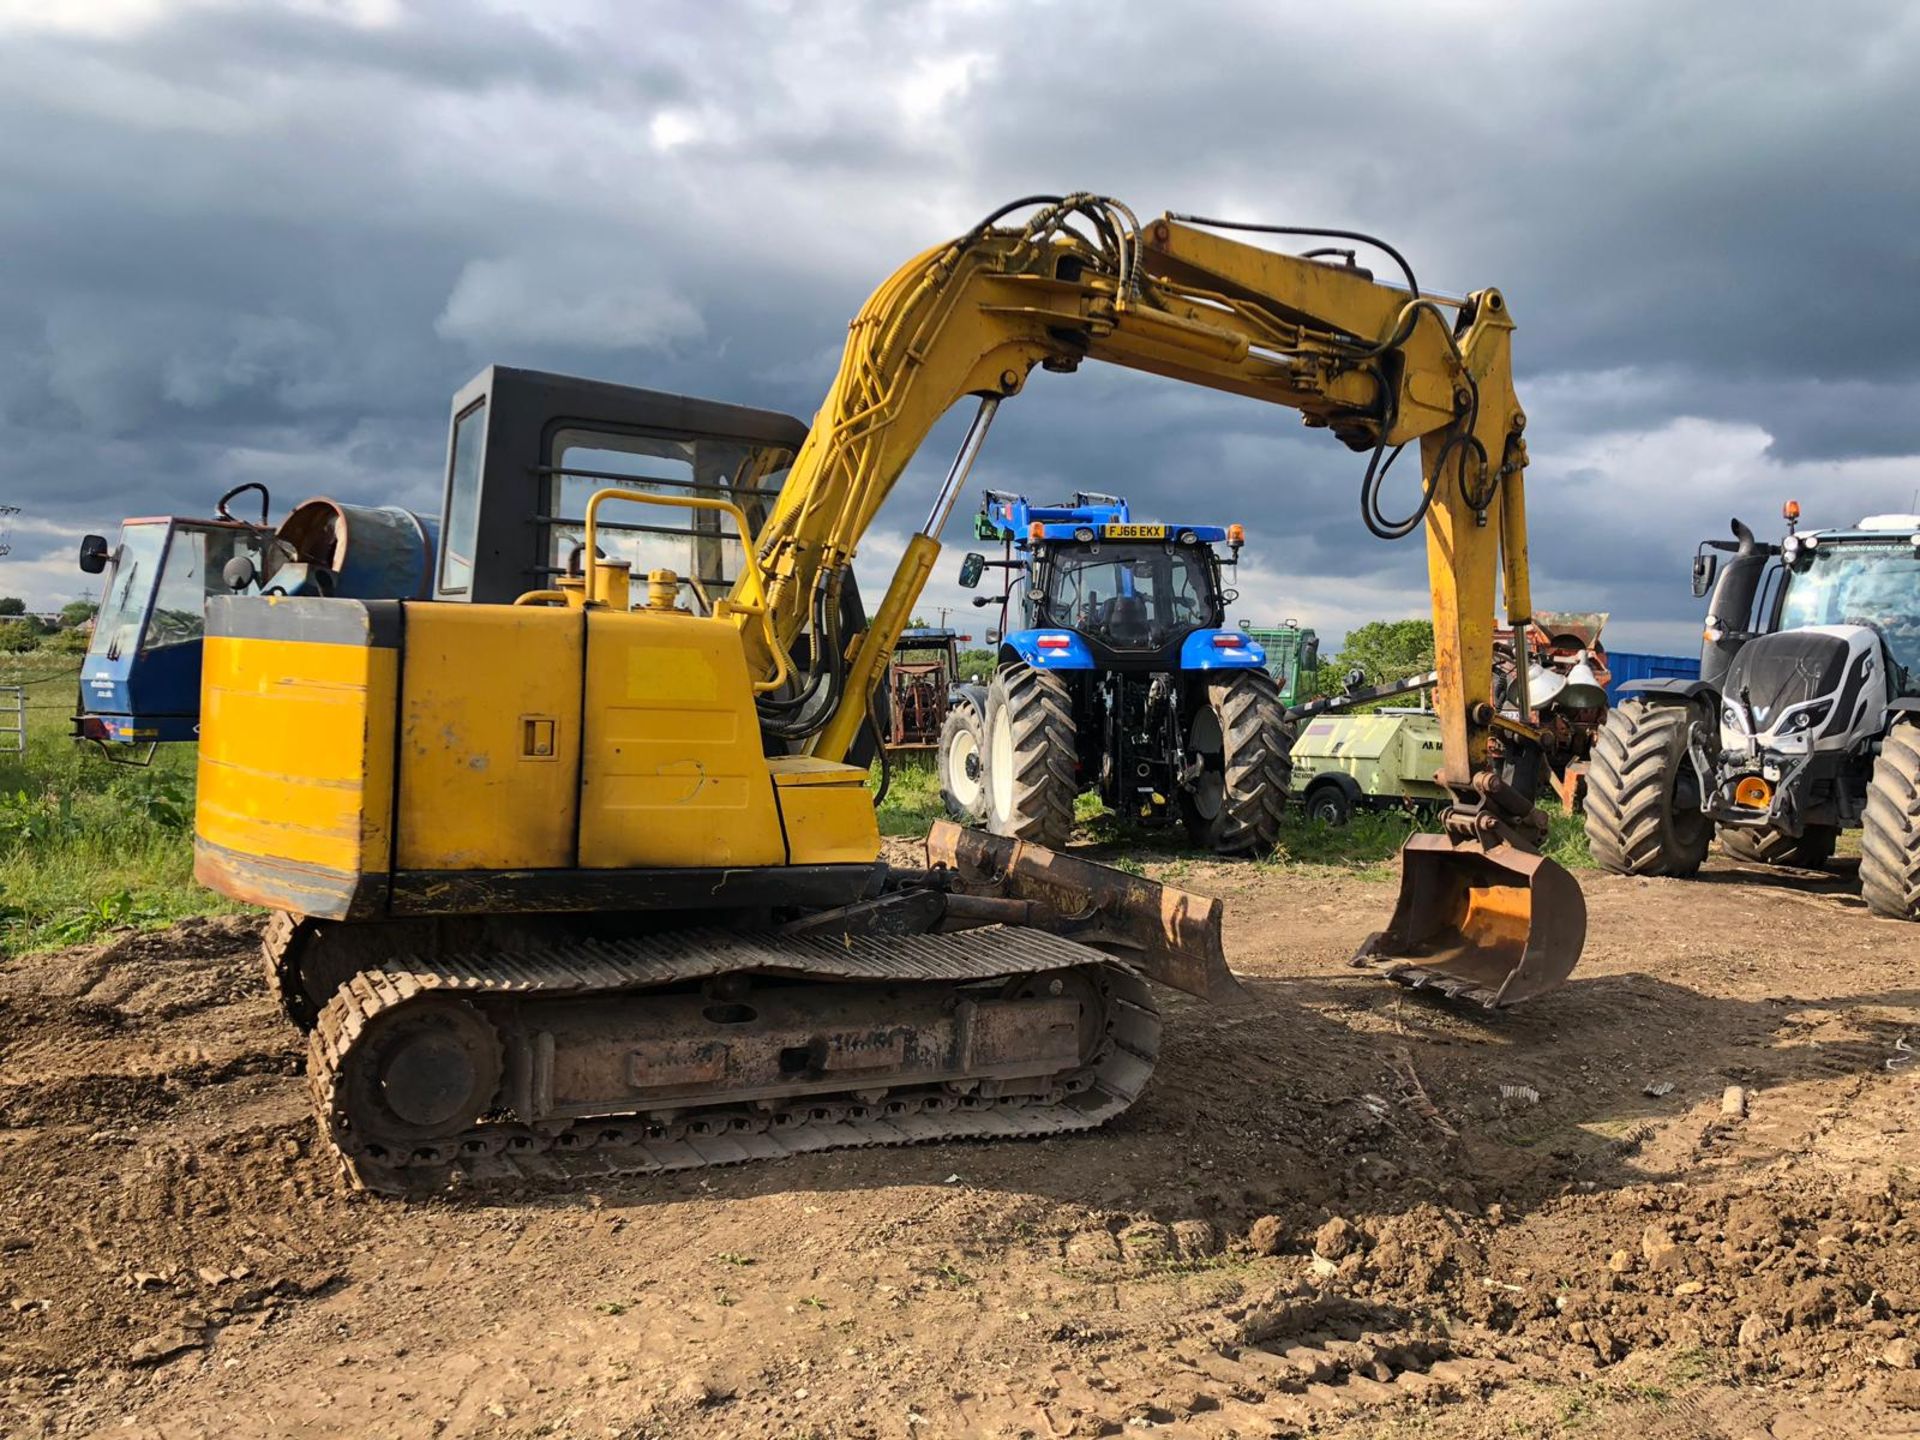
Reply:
x=1116, y=674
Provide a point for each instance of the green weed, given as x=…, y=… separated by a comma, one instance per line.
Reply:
x=87, y=846
x=913, y=797
x=1567, y=840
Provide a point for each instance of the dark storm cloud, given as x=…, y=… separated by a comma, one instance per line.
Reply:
x=248, y=241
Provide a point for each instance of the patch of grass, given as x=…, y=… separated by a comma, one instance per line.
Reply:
x=1657, y=1395
x=1367, y=843
x=1567, y=840
x=913, y=797
x=87, y=845
x=1691, y=1365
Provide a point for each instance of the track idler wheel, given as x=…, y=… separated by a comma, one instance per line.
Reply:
x=422, y=1072
x=1492, y=923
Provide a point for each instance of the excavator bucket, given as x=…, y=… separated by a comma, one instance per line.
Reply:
x=1498, y=925
x=1172, y=936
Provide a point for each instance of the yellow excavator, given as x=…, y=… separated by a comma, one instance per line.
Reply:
x=578, y=871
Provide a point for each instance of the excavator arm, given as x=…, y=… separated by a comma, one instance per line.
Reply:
x=1381, y=366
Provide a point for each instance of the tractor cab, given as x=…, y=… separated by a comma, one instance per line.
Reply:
x=140, y=680
x=1127, y=595
x=1868, y=577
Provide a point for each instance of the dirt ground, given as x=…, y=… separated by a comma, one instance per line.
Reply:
x=1340, y=1209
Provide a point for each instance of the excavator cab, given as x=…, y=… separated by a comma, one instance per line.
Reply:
x=526, y=450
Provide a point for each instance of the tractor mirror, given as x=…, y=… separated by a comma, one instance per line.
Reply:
x=993, y=637
x=1310, y=654
x=239, y=573
x=971, y=568
x=1227, y=597
x=1706, y=565
x=93, y=553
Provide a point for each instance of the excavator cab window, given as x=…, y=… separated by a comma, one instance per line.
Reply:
x=526, y=449
x=701, y=543
x=462, y=523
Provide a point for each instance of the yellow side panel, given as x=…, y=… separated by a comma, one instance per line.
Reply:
x=296, y=751
x=489, y=737
x=828, y=811
x=672, y=774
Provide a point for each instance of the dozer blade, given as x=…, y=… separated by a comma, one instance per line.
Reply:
x=1172, y=936
x=1497, y=925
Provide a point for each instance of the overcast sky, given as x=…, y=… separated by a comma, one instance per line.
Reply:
x=247, y=241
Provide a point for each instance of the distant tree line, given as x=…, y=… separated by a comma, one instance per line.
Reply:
x=66, y=633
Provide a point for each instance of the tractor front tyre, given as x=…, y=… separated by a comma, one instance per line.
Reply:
x=1643, y=796
x=1890, y=832
x=1033, y=763
x=1239, y=733
x=1766, y=846
x=962, y=758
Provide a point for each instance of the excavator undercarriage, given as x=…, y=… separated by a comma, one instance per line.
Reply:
x=960, y=1001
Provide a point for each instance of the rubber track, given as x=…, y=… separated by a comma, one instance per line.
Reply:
x=1768, y=846
x=1628, y=784
x=1046, y=777
x=1890, y=834
x=502, y=1150
x=1259, y=762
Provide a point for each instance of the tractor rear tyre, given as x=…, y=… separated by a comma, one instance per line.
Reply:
x=1240, y=735
x=1810, y=851
x=1643, y=797
x=962, y=759
x=1033, y=764
x=1890, y=834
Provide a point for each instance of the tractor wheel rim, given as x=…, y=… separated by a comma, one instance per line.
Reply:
x=1204, y=738
x=963, y=769
x=1000, y=764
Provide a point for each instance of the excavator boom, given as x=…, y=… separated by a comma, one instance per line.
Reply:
x=1381, y=366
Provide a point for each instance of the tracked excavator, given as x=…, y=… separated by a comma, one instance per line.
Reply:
x=577, y=873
